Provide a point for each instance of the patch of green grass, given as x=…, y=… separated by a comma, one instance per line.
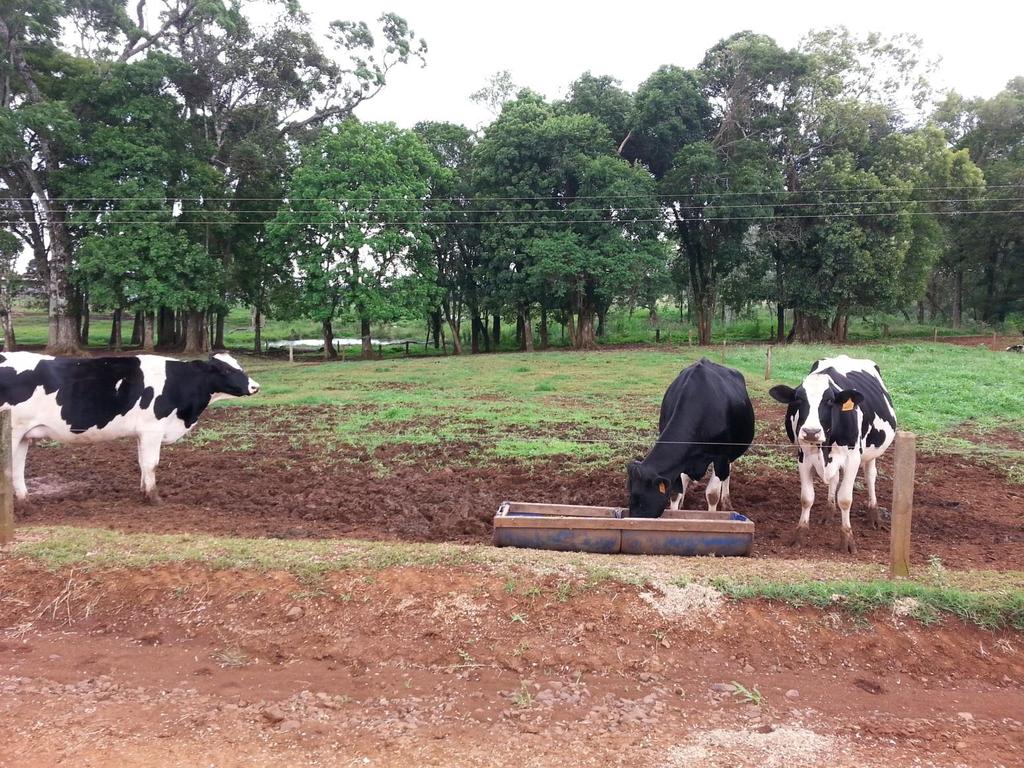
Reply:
x=751, y=696
x=563, y=591
x=542, y=448
x=989, y=610
x=523, y=697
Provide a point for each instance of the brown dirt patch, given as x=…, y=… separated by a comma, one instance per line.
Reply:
x=180, y=665
x=999, y=345
x=965, y=514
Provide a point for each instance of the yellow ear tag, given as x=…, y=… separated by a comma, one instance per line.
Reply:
x=662, y=487
x=848, y=405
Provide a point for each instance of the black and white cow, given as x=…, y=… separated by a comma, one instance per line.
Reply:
x=706, y=419
x=1015, y=348
x=156, y=400
x=841, y=418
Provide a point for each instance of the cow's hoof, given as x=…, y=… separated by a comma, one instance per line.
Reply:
x=153, y=498
x=798, y=536
x=847, y=544
x=873, y=519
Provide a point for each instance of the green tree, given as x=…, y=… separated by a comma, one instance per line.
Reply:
x=354, y=224
x=453, y=230
x=985, y=259
x=601, y=96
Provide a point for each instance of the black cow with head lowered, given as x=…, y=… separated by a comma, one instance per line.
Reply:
x=841, y=418
x=156, y=400
x=706, y=420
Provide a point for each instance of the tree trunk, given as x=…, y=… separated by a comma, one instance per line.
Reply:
x=524, y=318
x=364, y=333
x=602, y=316
x=137, y=323
x=543, y=327
x=705, y=315
x=218, y=330
x=476, y=327
x=63, y=335
x=958, y=298
x=84, y=333
x=780, y=318
x=115, y=330
x=807, y=328
x=496, y=332
x=456, y=332
x=197, y=340
x=920, y=311
x=585, y=337
x=435, y=327
x=257, y=333
x=839, y=326
x=166, y=332
x=149, y=320
x=330, y=353
x=10, y=344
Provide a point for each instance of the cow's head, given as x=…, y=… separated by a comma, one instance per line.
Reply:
x=648, y=491
x=227, y=377
x=819, y=412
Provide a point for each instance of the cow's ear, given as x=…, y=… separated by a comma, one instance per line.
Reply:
x=782, y=393
x=848, y=399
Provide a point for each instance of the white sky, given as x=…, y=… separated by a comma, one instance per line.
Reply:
x=546, y=44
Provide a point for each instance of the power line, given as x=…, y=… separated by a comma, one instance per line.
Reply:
x=493, y=222
x=874, y=190
x=428, y=212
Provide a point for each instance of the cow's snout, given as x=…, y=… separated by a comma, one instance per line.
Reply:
x=254, y=387
x=811, y=435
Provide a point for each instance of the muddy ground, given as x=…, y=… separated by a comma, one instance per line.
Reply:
x=182, y=666
x=967, y=515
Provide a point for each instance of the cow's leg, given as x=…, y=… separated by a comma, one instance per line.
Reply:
x=713, y=493
x=718, y=487
x=833, y=489
x=870, y=475
x=806, y=500
x=149, y=457
x=726, y=497
x=845, y=500
x=678, y=499
x=19, y=452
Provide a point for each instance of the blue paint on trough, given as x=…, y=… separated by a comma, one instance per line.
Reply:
x=610, y=530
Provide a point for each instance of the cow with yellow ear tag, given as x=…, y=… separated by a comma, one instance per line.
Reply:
x=841, y=418
x=707, y=420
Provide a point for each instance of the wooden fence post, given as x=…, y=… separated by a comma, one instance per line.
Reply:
x=291, y=352
x=935, y=336
x=6, y=481
x=723, y=351
x=905, y=459
x=768, y=365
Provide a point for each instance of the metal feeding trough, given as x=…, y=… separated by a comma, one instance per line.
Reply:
x=611, y=530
